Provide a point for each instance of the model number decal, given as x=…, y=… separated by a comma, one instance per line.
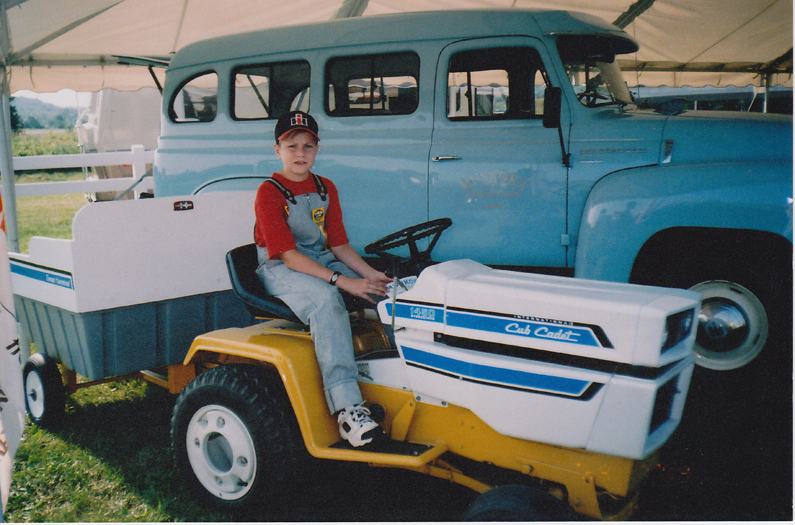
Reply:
x=423, y=314
x=417, y=312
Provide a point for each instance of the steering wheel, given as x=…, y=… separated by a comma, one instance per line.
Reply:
x=591, y=97
x=409, y=236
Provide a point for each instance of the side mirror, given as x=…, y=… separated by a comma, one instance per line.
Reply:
x=552, y=100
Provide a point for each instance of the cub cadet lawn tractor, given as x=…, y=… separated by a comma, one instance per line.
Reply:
x=548, y=395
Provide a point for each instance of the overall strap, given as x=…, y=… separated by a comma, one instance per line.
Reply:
x=288, y=195
x=321, y=188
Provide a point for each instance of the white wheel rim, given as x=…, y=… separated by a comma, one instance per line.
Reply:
x=221, y=452
x=754, y=318
x=34, y=393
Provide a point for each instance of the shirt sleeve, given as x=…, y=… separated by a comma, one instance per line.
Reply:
x=271, y=230
x=334, y=225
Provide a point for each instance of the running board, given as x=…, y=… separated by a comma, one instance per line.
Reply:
x=386, y=452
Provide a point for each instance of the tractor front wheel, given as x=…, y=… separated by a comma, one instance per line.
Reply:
x=518, y=503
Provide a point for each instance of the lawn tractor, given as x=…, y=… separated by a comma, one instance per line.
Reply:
x=550, y=396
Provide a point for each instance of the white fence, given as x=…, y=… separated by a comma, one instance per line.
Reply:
x=138, y=157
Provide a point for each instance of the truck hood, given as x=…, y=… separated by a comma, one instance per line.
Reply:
x=722, y=136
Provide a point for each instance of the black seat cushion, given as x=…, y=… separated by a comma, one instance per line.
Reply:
x=241, y=262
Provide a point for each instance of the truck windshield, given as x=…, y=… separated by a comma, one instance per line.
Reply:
x=593, y=70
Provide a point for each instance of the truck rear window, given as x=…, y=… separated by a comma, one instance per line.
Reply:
x=267, y=91
x=372, y=85
x=196, y=100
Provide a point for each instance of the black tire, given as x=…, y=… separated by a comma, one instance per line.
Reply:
x=45, y=394
x=235, y=437
x=737, y=315
x=518, y=503
x=747, y=295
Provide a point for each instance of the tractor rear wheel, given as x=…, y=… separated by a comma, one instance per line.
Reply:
x=235, y=437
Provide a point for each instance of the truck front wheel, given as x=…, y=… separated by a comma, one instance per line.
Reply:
x=233, y=435
x=733, y=325
x=746, y=286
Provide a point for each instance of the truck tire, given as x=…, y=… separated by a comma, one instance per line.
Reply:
x=733, y=325
x=45, y=394
x=235, y=438
x=747, y=300
x=518, y=503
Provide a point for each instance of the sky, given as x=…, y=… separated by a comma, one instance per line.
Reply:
x=65, y=98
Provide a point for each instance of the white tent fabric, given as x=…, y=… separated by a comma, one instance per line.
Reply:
x=57, y=44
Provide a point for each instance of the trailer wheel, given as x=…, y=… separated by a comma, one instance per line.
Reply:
x=234, y=437
x=45, y=395
x=518, y=503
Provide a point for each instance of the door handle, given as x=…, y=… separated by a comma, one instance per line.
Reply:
x=439, y=158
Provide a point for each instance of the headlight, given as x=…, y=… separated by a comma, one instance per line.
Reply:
x=677, y=328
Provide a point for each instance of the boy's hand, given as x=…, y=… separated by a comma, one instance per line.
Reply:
x=374, y=285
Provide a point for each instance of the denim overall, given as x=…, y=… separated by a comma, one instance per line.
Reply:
x=314, y=301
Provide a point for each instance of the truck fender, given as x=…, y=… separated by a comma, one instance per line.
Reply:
x=626, y=208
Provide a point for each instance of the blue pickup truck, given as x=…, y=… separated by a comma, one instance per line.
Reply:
x=519, y=126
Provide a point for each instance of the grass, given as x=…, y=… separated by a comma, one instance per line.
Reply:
x=51, y=215
x=110, y=461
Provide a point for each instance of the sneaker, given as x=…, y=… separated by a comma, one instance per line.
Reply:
x=356, y=426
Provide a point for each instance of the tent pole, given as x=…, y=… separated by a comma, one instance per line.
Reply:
x=7, y=164
x=767, y=92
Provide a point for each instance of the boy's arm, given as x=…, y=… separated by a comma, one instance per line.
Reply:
x=299, y=262
x=373, y=285
x=351, y=258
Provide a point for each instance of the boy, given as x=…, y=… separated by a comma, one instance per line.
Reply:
x=304, y=257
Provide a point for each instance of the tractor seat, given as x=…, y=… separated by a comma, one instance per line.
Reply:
x=242, y=262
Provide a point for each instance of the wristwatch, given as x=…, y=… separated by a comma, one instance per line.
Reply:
x=334, y=277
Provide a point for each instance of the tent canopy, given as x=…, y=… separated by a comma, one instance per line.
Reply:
x=56, y=44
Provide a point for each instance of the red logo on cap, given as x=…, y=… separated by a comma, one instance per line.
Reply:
x=298, y=120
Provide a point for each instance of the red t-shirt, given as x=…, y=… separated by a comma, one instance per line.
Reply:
x=271, y=230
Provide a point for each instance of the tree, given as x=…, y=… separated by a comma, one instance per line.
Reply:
x=16, y=122
x=33, y=123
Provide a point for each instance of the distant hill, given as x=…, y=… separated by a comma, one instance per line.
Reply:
x=36, y=114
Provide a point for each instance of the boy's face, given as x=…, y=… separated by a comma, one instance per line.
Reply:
x=297, y=152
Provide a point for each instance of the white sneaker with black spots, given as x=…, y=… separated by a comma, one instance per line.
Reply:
x=356, y=426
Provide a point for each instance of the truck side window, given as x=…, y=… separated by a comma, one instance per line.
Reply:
x=372, y=85
x=590, y=63
x=196, y=100
x=267, y=91
x=496, y=83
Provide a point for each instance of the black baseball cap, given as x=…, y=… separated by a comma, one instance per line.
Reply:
x=295, y=120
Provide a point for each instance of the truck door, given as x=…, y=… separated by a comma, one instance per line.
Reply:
x=494, y=169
